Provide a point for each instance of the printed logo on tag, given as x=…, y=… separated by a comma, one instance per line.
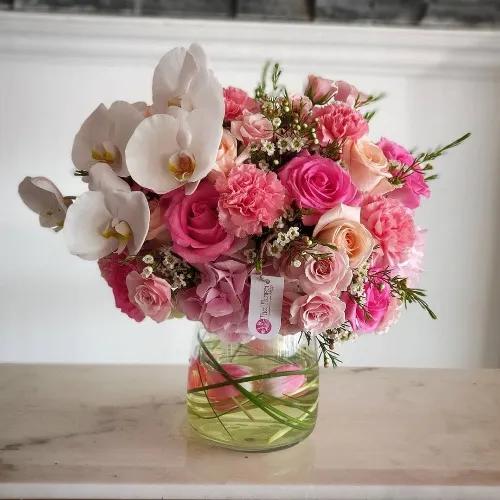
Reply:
x=266, y=300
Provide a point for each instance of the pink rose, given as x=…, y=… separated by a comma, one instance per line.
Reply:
x=226, y=392
x=415, y=185
x=220, y=300
x=369, y=317
x=318, y=184
x=317, y=312
x=301, y=105
x=285, y=384
x=157, y=229
x=337, y=122
x=320, y=90
x=193, y=222
x=236, y=101
x=325, y=270
x=153, y=295
x=347, y=93
x=341, y=227
x=366, y=163
x=392, y=225
x=412, y=268
x=115, y=270
x=252, y=127
x=249, y=200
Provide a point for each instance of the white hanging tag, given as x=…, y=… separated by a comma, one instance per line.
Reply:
x=266, y=300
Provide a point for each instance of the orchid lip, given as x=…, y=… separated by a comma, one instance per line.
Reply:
x=182, y=165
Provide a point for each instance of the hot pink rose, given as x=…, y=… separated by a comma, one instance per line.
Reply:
x=252, y=127
x=153, y=295
x=236, y=101
x=414, y=186
x=318, y=184
x=317, y=312
x=392, y=225
x=220, y=301
x=320, y=90
x=369, y=317
x=337, y=122
x=115, y=270
x=325, y=270
x=249, y=199
x=193, y=222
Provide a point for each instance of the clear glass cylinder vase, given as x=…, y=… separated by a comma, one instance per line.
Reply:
x=259, y=395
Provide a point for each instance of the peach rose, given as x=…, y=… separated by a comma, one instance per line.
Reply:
x=157, y=229
x=366, y=163
x=227, y=152
x=341, y=227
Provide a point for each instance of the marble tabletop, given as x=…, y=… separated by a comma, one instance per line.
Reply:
x=120, y=432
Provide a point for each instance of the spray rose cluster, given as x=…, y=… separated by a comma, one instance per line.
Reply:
x=191, y=193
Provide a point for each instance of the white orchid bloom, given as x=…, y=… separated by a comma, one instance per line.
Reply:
x=183, y=80
x=104, y=135
x=167, y=151
x=110, y=219
x=43, y=197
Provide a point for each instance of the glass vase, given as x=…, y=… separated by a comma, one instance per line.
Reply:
x=260, y=395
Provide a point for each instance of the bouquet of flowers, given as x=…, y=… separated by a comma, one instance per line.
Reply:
x=196, y=197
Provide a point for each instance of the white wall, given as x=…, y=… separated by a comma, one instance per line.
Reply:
x=55, y=69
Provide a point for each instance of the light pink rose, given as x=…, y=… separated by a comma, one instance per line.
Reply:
x=153, y=295
x=337, y=122
x=392, y=225
x=326, y=271
x=236, y=101
x=341, y=227
x=227, y=153
x=290, y=294
x=317, y=312
x=412, y=267
x=220, y=300
x=193, y=222
x=157, y=228
x=252, y=127
x=285, y=384
x=366, y=163
x=318, y=184
x=320, y=90
x=369, y=317
x=249, y=200
x=348, y=93
x=415, y=185
x=115, y=270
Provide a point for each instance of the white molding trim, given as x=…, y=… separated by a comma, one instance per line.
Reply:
x=372, y=50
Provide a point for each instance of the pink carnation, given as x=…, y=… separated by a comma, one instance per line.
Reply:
x=236, y=101
x=115, y=270
x=153, y=295
x=369, y=317
x=318, y=184
x=193, y=222
x=249, y=199
x=337, y=122
x=252, y=127
x=220, y=301
x=391, y=223
x=317, y=312
x=415, y=185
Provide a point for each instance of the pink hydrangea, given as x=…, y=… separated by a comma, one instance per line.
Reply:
x=392, y=225
x=236, y=101
x=114, y=270
x=252, y=127
x=220, y=300
x=337, y=122
x=415, y=185
x=318, y=184
x=249, y=200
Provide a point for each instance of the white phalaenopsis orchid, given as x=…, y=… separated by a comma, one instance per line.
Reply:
x=104, y=134
x=168, y=151
x=43, y=197
x=109, y=218
x=183, y=80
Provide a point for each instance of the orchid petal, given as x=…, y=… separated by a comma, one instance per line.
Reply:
x=43, y=197
x=85, y=221
x=103, y=178
x=206, y=92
